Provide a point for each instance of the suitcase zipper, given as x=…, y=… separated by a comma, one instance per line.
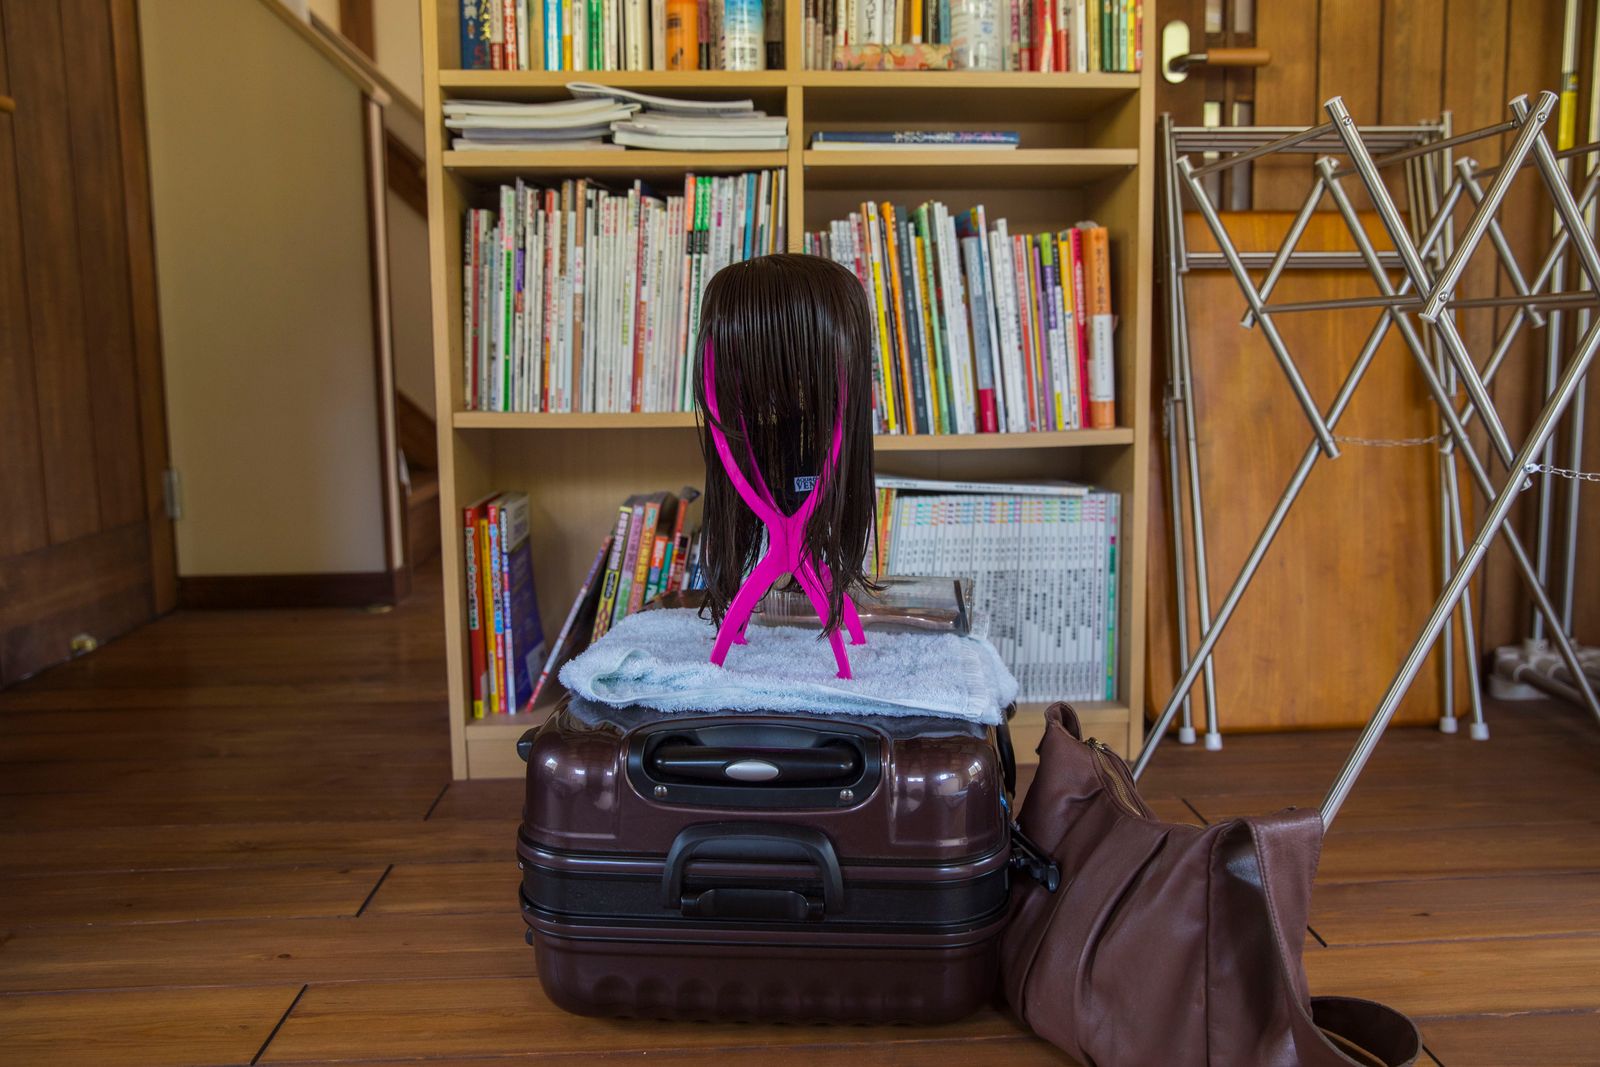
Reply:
x=1115, y=773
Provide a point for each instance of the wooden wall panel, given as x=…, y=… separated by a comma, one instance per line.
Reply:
x=22, y=520
x=103, y=240
x=37, y=61
x=1532, y=63
x=1349, y=42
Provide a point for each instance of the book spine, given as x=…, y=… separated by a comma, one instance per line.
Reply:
x=658, y=558
x=1078, y=290
x=507, y=637
x=474, y=41
x=1102, y=387
x=630, y=559
x=474, y=609
x=613, y=575
x=910, y=381
x=641, y=561
x=495, y=646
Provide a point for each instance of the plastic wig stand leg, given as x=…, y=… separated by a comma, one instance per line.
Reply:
x=785, y=548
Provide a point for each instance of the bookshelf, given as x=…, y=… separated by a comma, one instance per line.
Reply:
x=1089, y=153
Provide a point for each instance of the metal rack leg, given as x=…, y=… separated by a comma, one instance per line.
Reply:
x=1470, y=561
x=1269, y=531
x=1458, y=432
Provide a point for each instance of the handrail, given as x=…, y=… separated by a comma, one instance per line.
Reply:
x=397, y=96
x=368, y=85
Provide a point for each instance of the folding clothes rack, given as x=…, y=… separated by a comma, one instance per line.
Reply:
x=1431, y=257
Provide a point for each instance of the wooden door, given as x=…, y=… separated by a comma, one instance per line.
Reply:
x=85, y=544
x=1309, y=646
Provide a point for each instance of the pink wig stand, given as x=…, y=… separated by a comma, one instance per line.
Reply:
x=785, y=542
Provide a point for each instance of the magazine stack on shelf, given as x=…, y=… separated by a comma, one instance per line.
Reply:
x=1043, y=558
x=913, y=140
x=499, y=125
x=977, y=329
x=583, y=297
x=678, y=125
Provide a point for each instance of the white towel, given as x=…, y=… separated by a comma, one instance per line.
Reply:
x=661, y=659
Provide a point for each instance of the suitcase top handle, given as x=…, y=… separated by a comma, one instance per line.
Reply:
x=752, y=842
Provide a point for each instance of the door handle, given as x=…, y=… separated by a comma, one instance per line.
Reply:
x=1176, y=57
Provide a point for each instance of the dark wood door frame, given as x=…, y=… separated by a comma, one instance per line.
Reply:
x=146, y=308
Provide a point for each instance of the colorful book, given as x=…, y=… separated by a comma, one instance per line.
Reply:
x=495, y=631
x=523, y=646
x=477, y=607
x=606, y=614
x=1102, y=356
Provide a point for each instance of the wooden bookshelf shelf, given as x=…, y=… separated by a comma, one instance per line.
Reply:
x=497, y=166
x=521, y=420
x=1088, y=151
x=684, y=420
x=963, y=168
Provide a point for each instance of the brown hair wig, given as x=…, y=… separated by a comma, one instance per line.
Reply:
x=791, y=344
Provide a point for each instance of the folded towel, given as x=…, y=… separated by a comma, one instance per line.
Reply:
x=661, y=659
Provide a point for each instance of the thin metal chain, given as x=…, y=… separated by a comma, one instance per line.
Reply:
x=1388, y=442
x=1562, y=472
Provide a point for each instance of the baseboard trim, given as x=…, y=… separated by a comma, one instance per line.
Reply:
x=245, y=591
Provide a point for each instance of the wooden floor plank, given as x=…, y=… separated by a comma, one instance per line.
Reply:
x=489, y=1017
x=255, y=845
x=141, y=1028
x=116, y=897
x=265, y=951
x=218, y=806
x=1568, y=1038
x=447, y=888
x=1496, y=975
x=1447, y=908
x=180, y=860
x=1383, y=855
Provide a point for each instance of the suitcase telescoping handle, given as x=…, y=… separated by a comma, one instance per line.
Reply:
x=749, y=842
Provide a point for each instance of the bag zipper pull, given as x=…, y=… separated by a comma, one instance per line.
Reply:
x=1033, y=860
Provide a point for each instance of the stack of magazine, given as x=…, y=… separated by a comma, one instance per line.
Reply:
x=600, y=116
x=1043, y=561
x=678, y=125
x=563, y=125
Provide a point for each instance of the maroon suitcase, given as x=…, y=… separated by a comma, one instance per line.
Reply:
x=806, y=868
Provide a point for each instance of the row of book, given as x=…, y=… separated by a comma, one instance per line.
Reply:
x=651, y=552
x=585, y=298
x=1043, y=560
x=600, y=116
x=507, y=640
x=914, y=140
x=582, y=35
x=1022, y=35
x=1041, y=557
x=977, y=329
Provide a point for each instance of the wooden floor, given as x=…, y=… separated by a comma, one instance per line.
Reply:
x=232, y=838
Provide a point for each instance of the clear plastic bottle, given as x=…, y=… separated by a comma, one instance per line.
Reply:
x=975, y=34
x=744, y=25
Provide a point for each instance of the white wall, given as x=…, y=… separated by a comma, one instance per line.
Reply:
x=257, y=181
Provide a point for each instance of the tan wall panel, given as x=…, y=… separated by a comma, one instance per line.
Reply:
x=262, y=254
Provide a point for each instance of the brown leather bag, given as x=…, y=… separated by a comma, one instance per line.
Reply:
x=1168, y=944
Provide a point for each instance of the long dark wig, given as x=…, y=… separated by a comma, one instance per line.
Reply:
x=791, y=345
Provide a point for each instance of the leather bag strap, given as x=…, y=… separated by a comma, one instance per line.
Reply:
x=1333, y=1031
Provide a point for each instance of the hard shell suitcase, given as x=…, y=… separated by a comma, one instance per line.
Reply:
x=795, y=867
